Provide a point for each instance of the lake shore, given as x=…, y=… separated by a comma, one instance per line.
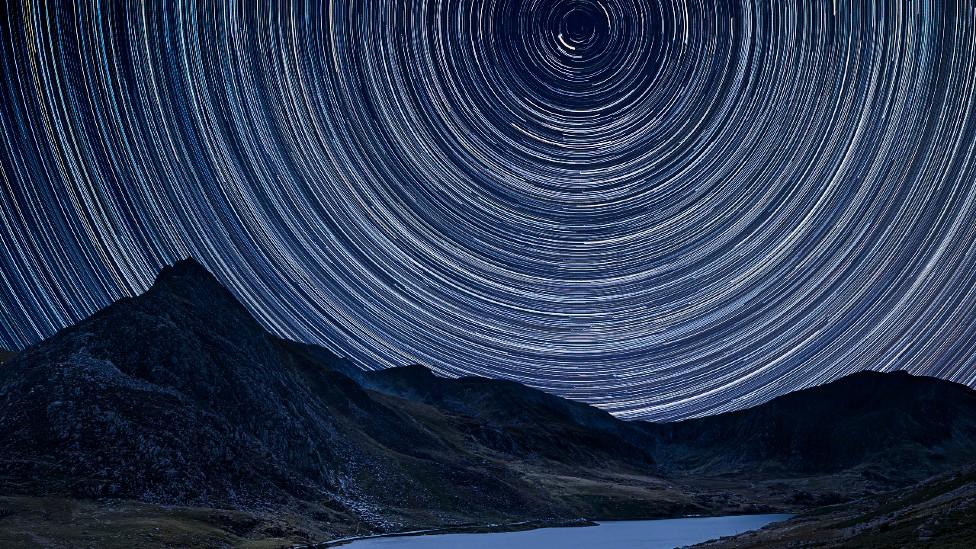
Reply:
x=519, y=526
x=522, y=526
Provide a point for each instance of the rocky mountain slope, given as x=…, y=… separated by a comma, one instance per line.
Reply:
x=178, y=397
x=521, y=421
x=938, y=513
x=898, y=427
x=6, y=355
x=893, y=429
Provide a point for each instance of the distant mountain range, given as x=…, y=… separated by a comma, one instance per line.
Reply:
x=904, y=426
x=179, y=397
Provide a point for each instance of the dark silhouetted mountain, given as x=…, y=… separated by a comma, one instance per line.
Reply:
x=179, y=396
x=6, y=355
x=855, y=421
x=896, y=424
x=515, y=419
x=895, y=427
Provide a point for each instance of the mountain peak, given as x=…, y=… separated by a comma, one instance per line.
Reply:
x=188, y=277
x=879, y=384
x=183, y=269
x=188, y=286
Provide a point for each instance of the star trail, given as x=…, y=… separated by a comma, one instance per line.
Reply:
x=665, y=208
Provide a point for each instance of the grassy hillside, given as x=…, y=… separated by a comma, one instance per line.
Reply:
x=938, y=513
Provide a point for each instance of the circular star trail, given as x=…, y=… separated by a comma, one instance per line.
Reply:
x=665, y=208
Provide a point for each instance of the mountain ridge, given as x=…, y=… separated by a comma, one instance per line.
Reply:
x=179, y=397
x=859, y=418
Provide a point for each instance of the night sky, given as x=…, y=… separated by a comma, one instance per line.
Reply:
x=663, y=208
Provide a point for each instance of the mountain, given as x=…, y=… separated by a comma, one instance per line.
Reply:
x=6, y=355
x=896, y=426
x=179, y=397
x=521, y=421
x=178, y=408
x=860, y=435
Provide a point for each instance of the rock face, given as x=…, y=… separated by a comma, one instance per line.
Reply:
x=903, y=427
x=6, y=355
x=179, y=396
x=894, y=428
x=521, y=421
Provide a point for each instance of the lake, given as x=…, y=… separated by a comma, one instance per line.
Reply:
x=636, y=534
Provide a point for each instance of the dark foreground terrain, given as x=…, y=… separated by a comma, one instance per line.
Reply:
x=174, y=418
x=939, y=513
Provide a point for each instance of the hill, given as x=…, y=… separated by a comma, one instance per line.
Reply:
x=939, y=513
x=897, y=427
x=176, y=409
x=521, y=421
x=179, y=397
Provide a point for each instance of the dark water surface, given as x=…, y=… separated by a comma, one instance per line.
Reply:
x=636, y=534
